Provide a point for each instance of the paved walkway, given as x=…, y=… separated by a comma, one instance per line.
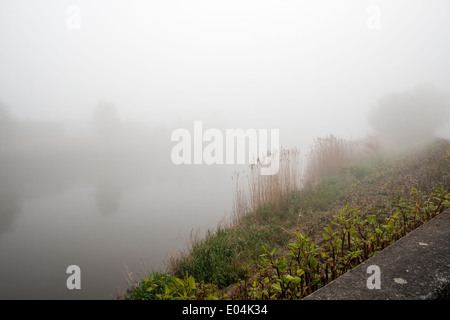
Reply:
x=416, y=266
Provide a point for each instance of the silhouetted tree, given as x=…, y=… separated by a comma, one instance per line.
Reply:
x=6, y=125
x=106, y=120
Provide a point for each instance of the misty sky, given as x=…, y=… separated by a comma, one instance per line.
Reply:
x=305, y=67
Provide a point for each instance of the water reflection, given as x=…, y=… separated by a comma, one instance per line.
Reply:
x=108, y=195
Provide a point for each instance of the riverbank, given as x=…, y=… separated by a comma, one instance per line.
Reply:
x=288, y=249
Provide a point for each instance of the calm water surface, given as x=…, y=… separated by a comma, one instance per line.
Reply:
x=108, y=207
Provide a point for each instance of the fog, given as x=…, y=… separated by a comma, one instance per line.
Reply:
x=91, y=91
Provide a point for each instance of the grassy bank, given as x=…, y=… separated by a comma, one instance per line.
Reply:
x=285, y=243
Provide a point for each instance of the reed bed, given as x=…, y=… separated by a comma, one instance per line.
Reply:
x=330, y=154
x=253, y=190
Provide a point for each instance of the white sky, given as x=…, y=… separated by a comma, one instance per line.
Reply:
x=309, y=68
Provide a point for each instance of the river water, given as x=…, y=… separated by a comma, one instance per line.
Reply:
x=111, y=206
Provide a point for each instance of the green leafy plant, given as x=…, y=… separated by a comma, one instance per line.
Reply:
x=350, y=238
x=161, y=286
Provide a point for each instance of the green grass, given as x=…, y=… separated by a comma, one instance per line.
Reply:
x=220, y=256
x=212, y=260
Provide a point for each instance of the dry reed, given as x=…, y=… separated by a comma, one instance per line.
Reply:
x=255, y=190
x=330, y=154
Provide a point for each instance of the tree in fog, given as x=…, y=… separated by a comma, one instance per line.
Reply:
x=106, y=121
x=6, y=125
x=403, y=118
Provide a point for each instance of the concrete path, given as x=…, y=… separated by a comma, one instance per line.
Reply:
x=415, y=267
